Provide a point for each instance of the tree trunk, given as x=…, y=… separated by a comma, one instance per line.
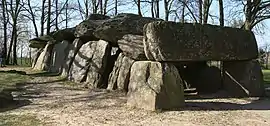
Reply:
x=221, y=13
x=152, y=9
x=200, y=12
x=206, y=7
x=166, y=10
x=15, y=47
x=157, y=8
x=66, y=14
x=49, y=17
x=33, y=18
x=139, y=7
x=42, y=21
x=5, y=28
x=56, y=15
x=101, y=6
x=247, y=25
x=115, y=7
x=105, y=7
x=183, y=11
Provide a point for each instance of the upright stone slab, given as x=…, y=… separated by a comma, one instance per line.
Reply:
x=44, y=59
x=35, y=52
x=97, y=63
x=80, y=65
x=119, y=77
x=71, y=51
x=155, y=85
x=132, y=46
x=90, y=62
x=170, y=41
x=59, y=56
x=243, y=78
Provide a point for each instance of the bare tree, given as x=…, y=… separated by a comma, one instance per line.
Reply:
x=5, y=23
x=221, y=13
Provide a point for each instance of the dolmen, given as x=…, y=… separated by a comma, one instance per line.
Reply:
x=151, y=60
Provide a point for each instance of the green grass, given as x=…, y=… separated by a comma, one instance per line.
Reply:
x=9, y=80
x=19, y=120
x=266, y=76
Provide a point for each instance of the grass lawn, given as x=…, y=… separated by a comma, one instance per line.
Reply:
x=9, y=80
x=266, y=76
x=19, y=120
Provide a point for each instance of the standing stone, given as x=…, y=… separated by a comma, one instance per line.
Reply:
x=132, y=46
x=97, y=63
x=71, y=51
x=119, y=77
x=44, y=59
x=59, y=56
x=170, y=41
x=155, y=85
x=243, y=78
x=90, y=63
x=35, y=55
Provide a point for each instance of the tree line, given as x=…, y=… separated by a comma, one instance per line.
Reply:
x=25, y=19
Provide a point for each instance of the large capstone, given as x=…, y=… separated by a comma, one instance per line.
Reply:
x=155, y=85
x=170, y=41
x=97, y=17
x=132, y=46
x=119, y=77
x=243, y=78
x=85, y=30
x=40, y=42
x=115, y=28
x=64, y=34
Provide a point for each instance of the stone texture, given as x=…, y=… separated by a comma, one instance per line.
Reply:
x=119, y=77
x=85, y=30
x=115, y=28
x=97, y=17
x=71, y=52
x=97, y=64
x=44, y=59
x=243, y=78
x=64, y=34
x=40, y=42
x=155, y=85
x=35, y=52
x=90, y=63
x=170, y=41
x=59, y=55
x=132, y=46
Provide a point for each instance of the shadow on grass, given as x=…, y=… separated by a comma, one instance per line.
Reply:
x=44, y=74
x=14, y=72
x=15, y=104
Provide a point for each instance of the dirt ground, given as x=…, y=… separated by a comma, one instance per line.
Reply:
x=57, y=103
